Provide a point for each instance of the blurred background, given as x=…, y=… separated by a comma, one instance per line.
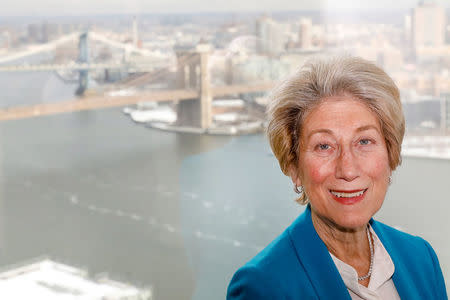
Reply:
x=133, y=163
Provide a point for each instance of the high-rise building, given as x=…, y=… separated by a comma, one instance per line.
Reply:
x=270, y=35
x=407, y=28
x=50, y=31
x=305, y=33
x=135, y=32
x=428, y=25
x=34, y=33
x=445, y=112
x=5, y=40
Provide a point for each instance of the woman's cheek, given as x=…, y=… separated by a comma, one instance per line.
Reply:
x=377, y=166
x=318, y=170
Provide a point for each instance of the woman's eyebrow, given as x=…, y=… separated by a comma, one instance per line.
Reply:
x=367, y=127
x=321, y=130
x=328, y=131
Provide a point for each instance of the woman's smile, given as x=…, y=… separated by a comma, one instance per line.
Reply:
x=348, y=197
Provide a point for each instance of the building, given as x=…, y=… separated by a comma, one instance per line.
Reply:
x=5, y=40
x=445, y=112
x=407, y=23
x=50, y=31
x=43, y=32
x=305, y=33
x=34, y=33
x=428, y=26
x=271, y=38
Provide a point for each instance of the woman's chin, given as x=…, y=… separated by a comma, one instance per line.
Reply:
x=351, y=222
x=344, y=220
x=353, y=216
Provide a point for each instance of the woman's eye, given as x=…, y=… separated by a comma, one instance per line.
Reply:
x=364, y=142
x=323, y=146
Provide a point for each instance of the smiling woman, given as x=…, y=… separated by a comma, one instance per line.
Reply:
x=336, y=128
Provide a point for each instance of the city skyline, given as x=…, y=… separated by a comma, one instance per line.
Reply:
x=86, y=7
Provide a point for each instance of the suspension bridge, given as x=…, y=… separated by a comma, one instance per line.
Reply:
x=192, y=91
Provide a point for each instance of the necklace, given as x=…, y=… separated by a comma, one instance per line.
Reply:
x=371, y=258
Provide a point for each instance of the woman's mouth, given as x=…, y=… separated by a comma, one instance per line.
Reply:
x=348, y=197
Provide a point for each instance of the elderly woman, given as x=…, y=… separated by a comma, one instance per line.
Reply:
x=336, y=128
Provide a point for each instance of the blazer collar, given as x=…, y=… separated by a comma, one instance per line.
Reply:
x=402, y=279
x=313, y=255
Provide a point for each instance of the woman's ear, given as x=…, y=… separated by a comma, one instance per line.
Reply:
x=293, y=173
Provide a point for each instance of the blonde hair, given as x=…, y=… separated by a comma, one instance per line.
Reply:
x=321, y=78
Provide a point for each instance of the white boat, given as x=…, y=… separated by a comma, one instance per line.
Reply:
x=162, y=114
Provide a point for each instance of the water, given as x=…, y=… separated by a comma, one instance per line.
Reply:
x=84, y=189
x=27, y=88
x=178, y=212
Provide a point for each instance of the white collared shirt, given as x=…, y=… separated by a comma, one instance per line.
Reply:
x=381, y=285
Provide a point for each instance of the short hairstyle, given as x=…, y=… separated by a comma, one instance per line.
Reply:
x=321, y=78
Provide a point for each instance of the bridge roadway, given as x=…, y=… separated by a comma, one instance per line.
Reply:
x=105, y=101
x=80, y=67
x=72, y=37
x=58, y=67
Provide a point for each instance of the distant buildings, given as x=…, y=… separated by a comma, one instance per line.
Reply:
x=271, y=36
x=5, y=40
x=428, y=28
x=43, y=32
x=412, y=48
x=305, y=33
x=445, y=112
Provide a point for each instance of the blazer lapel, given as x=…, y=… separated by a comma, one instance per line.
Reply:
x=402, y=279
x=313, y=255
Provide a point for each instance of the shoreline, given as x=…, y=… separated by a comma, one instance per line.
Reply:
x=229, y=130
x=412, y=154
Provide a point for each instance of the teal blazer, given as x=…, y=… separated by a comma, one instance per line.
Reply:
x=297, y=265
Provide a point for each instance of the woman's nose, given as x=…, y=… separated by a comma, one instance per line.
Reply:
x=347, y=165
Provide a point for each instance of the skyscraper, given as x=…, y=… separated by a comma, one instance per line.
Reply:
x=445, y=112
x=271, y=36
x=428, y=25
x=305, y=33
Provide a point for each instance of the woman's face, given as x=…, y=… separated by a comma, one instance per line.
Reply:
x=343, y=163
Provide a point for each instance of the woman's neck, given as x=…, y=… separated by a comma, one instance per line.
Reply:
x=349, y=245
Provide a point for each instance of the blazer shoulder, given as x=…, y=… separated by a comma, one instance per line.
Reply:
x=411, y=248
x=248, y=283
x=394, y=234
x=416, y=256
x=274, y=273
x=259, y=278
x=279, y=252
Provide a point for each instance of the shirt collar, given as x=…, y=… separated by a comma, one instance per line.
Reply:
x=382, y=271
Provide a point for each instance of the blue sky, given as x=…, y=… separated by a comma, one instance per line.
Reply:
x=77, y=7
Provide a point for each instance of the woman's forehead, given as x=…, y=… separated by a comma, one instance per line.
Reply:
x=340, y=113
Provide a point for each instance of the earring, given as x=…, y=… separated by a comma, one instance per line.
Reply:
x=390, y=179
x=298, y=189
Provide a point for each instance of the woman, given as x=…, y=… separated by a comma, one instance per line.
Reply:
x=336, y=128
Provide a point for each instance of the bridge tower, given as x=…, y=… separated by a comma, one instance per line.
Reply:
x=83, y=57
x=193, y=73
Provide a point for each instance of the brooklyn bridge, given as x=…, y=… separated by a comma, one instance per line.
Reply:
x=192, y=91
